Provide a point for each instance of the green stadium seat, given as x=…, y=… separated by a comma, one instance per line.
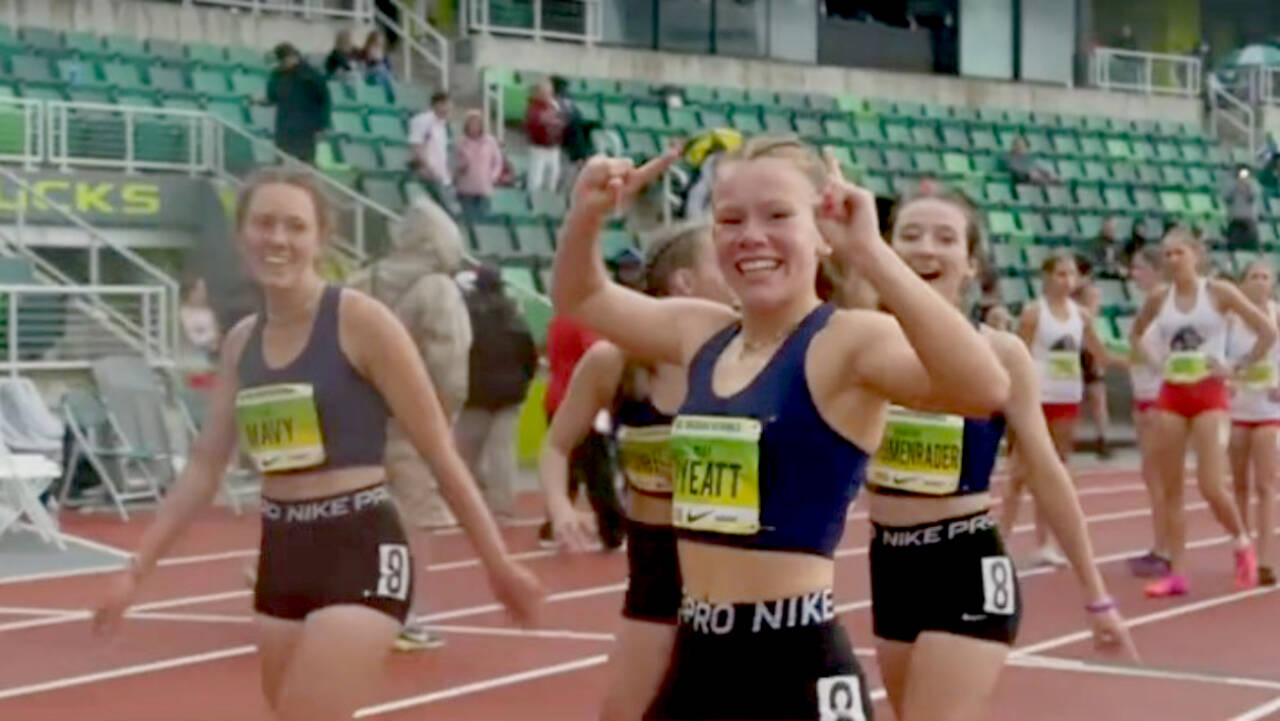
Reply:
x=1033, y=224
x=809, y=126
x=262, y=117
x=492, y=240
x=534, y=239
x=640, y=143
x=747, y=122
x=1008, y=258
x=898, y=134
x=1118, y=148
x=8, y=39
x=1095, y=171
x=1124, y=173
x=86, y=45
x=928, y=164
x=1091, y=147
x=956, y=164
x=1200, y=178
x=1014, y=292
x=180, y=103
x=647, y=116
x=1059, y=196
x=510, y=202
x=396, y=157
x=1143, y=150
x=207, y=55
x=618, y=114
x=732, y=96
x=761, y=96
x=1117, y=199
x=822, y=103
x=383, y=191
x=99, y=95
x=162, y=77
x=878, y=184
x=778, y=123
x=1203, y=204
x=684, y=120
x=212, y=83
x=31, y=69
x=43, y=92
x=999, y=194
x=1150, y=174
x=417, y=98
x=983, y=139
x=1173, y=176
x=166, y=50
x=898, y=160
x=1070, y=171
x=1173, y=202
x=162, y=141
x=1145, y=200
x=83, y=73
x=229, y=110
x=1002, y=223
x=41, y=40
x=1066, y=145
x=548, y=204
x=1192, y=153
x=370, y=94
x=1062, y=226
x=253, y=85
x=614, y=241
x=1037, y=254
x=1167, y=152
x=348, y=124
x=955, y=138
x=125, y=47
x=387, y=127
x=869, y=131
x=1030, y=195
x=122, y=75
x=246, y=57
x=838, y=129
x=924, y=136
x=1088, y=197
x=136, y=97
x=359, y=155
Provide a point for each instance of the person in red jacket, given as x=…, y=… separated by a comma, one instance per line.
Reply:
x=544, y=122
x=590, y=463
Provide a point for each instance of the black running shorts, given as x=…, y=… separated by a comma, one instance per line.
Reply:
x=344, y=549
x=952, y=576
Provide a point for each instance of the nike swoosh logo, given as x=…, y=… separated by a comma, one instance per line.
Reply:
x=695, y=517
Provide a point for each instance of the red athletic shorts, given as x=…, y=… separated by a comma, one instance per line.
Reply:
x=1060, y=411
x=1143, y=406
x=1269, y=423
x=1191, y=399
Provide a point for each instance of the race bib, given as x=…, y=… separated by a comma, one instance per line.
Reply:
x=1064, y=365
x=279, y=427
x=1186, y=367
x=1260, y=376
x=921, y=453
x=645, y=457
x=717, y=483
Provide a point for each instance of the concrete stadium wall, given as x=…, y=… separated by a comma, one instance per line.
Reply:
x=170, y=21
x=625, y=63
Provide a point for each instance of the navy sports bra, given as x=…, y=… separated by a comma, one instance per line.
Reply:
x=935, y=455
x=761, y=469
x=317, y=412
x=643, y=435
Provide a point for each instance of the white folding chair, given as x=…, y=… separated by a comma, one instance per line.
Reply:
x=23, y=477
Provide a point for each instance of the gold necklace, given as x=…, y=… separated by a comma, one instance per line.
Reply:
x=751, y=347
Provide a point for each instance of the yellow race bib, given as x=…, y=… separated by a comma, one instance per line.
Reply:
x=717, y=482
x=920, y=453
x=1186, y=366
x=1260, y=376
x=645, y=456
x=1064, y=365
x=279, y=427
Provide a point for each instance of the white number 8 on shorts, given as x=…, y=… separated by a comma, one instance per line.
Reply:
x=998, y=586
x=840, y=699
x=394, y=567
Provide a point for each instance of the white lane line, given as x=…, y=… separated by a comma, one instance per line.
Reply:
x=1259, y=712
x=124, y=671
x=1080, y=666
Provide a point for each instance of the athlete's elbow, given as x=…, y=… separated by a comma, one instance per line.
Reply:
x=989, y=393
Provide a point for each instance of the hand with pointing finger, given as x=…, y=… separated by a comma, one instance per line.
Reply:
x=609, y=184
x=847, y=219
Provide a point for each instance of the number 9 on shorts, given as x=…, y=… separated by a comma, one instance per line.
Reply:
x=840, y=699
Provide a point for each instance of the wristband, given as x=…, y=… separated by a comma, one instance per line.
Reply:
x=1101, y=606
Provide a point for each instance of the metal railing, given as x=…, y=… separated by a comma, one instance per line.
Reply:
x=97, y=248
x=46, y=327
x=1146, y=73
x=126, y=137
x=418, y=37
x=1226, y=109
x=527, y=18
x=359, y=10
x=21, y=131
x=1265, y=84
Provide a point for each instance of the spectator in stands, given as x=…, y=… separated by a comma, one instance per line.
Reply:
x=577, y=131
x=377, y=67
x=416, y=281
x=1024, y=168
x=301, y=97
x=1244, y=206
x=503, y=361
x=1103, y=254
x=429, y=139
x=480, y=164
x=343, y=61
x=545, y=123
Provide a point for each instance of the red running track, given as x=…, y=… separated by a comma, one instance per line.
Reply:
x=187, y=651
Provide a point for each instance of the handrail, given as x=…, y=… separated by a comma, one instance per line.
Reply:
x=1247, y=124
x=417, y=27
x=53, y=330
x=33, y=128
x=100, y=240
x=360, y=10
x=58, y=118
x=1183, y=76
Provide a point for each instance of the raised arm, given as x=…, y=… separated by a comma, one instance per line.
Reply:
x=593, y=385
x=659, y=330
x=1049, y=482
x=932, y=357
x=194, y=488
x=1231, y=300
x=384, y=352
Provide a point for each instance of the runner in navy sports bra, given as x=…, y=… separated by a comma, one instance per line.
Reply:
x=643, y=400
x=307, y=387
x=783, y=401
x=945, y=601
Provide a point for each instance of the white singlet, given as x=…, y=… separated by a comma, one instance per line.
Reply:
x=1251, y=391
x=1145, y=379
x=1189, y=341
x=1056, y=349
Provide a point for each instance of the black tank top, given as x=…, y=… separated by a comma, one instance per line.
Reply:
x=315, y=413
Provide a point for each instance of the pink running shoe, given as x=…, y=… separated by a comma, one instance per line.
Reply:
x=1174, y=584
x=1246, y=567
